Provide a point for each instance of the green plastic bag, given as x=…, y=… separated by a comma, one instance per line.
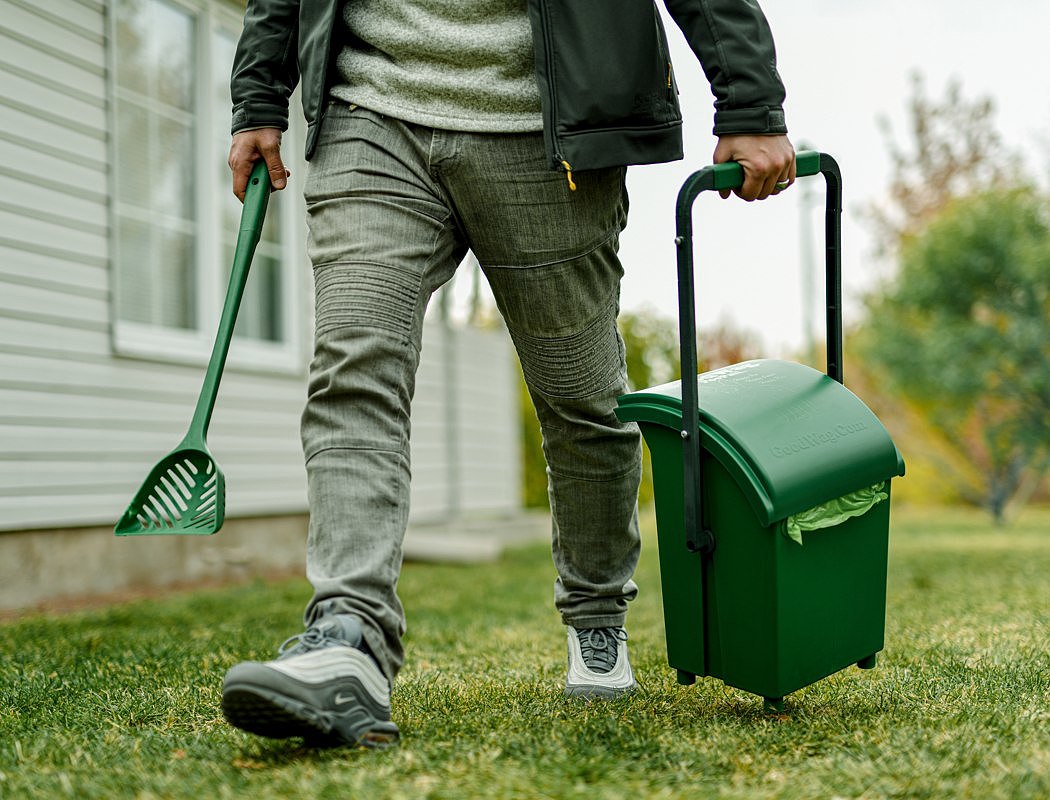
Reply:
x=834, y=512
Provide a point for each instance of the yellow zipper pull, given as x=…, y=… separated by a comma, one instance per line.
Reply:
x=669, y=84
x=568, y=175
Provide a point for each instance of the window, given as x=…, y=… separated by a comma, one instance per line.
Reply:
x=175, y=219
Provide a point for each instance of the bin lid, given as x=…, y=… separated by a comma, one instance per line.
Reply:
x=791, y=437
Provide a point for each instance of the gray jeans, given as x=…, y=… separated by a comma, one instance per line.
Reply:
x=392, y=209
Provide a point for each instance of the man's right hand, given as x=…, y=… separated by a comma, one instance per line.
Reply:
x=248, y=147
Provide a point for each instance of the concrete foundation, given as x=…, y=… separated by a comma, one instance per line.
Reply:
x=40, y=568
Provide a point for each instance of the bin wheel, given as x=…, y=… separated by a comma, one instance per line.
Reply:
x=773, y=705
x=686, y=678
x=869, y=662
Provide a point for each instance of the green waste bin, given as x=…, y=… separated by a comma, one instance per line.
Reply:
x=761, y=611
x=772, y=485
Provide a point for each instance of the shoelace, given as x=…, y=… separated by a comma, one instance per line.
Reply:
x=600, y=647
x=313, y=638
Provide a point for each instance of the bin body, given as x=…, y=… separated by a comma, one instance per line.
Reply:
x=761, y=612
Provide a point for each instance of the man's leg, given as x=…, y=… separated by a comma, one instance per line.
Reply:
x=550, y=257
x=382, y=239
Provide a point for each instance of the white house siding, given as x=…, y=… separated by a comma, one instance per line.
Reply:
x=80, y=426
x=465, y=427
x=54, y=280
x=489, y=449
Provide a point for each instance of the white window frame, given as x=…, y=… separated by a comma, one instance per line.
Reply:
x=194, y=347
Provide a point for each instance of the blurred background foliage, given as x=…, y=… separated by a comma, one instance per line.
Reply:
x=958, y=338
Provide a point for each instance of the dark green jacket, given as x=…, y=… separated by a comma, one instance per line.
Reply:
x=606, y=82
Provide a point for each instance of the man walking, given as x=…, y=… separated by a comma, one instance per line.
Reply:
x=504, y=127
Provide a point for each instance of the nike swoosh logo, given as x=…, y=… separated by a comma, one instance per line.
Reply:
x=341, y=699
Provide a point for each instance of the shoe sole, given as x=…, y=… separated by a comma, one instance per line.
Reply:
x=265, y=712
x=592, y=692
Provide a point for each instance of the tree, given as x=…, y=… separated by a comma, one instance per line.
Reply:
x=964, y=332
x=652, y=346
x=651, y=343
x=955, y=151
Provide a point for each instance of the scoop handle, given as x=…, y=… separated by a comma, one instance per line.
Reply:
x=256, y=199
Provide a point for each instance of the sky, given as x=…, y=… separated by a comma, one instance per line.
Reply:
x=846, y=64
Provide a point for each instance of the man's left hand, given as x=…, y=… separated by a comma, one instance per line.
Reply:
x=768, y=162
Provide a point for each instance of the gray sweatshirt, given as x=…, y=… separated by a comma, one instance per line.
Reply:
x=463, y=65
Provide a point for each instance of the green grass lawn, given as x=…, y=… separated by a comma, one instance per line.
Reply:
x=124, y=702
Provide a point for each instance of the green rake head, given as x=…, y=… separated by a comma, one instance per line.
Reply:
x=185, y=493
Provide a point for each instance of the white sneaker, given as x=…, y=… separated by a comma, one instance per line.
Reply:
x=326, y=688
x=598, y=663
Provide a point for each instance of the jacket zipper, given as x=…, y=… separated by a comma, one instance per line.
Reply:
x=548, y=43
x=661, y=40
x=568, y=173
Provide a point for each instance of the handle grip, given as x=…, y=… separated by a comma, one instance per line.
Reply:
x=730, y=176
x=256, y=198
